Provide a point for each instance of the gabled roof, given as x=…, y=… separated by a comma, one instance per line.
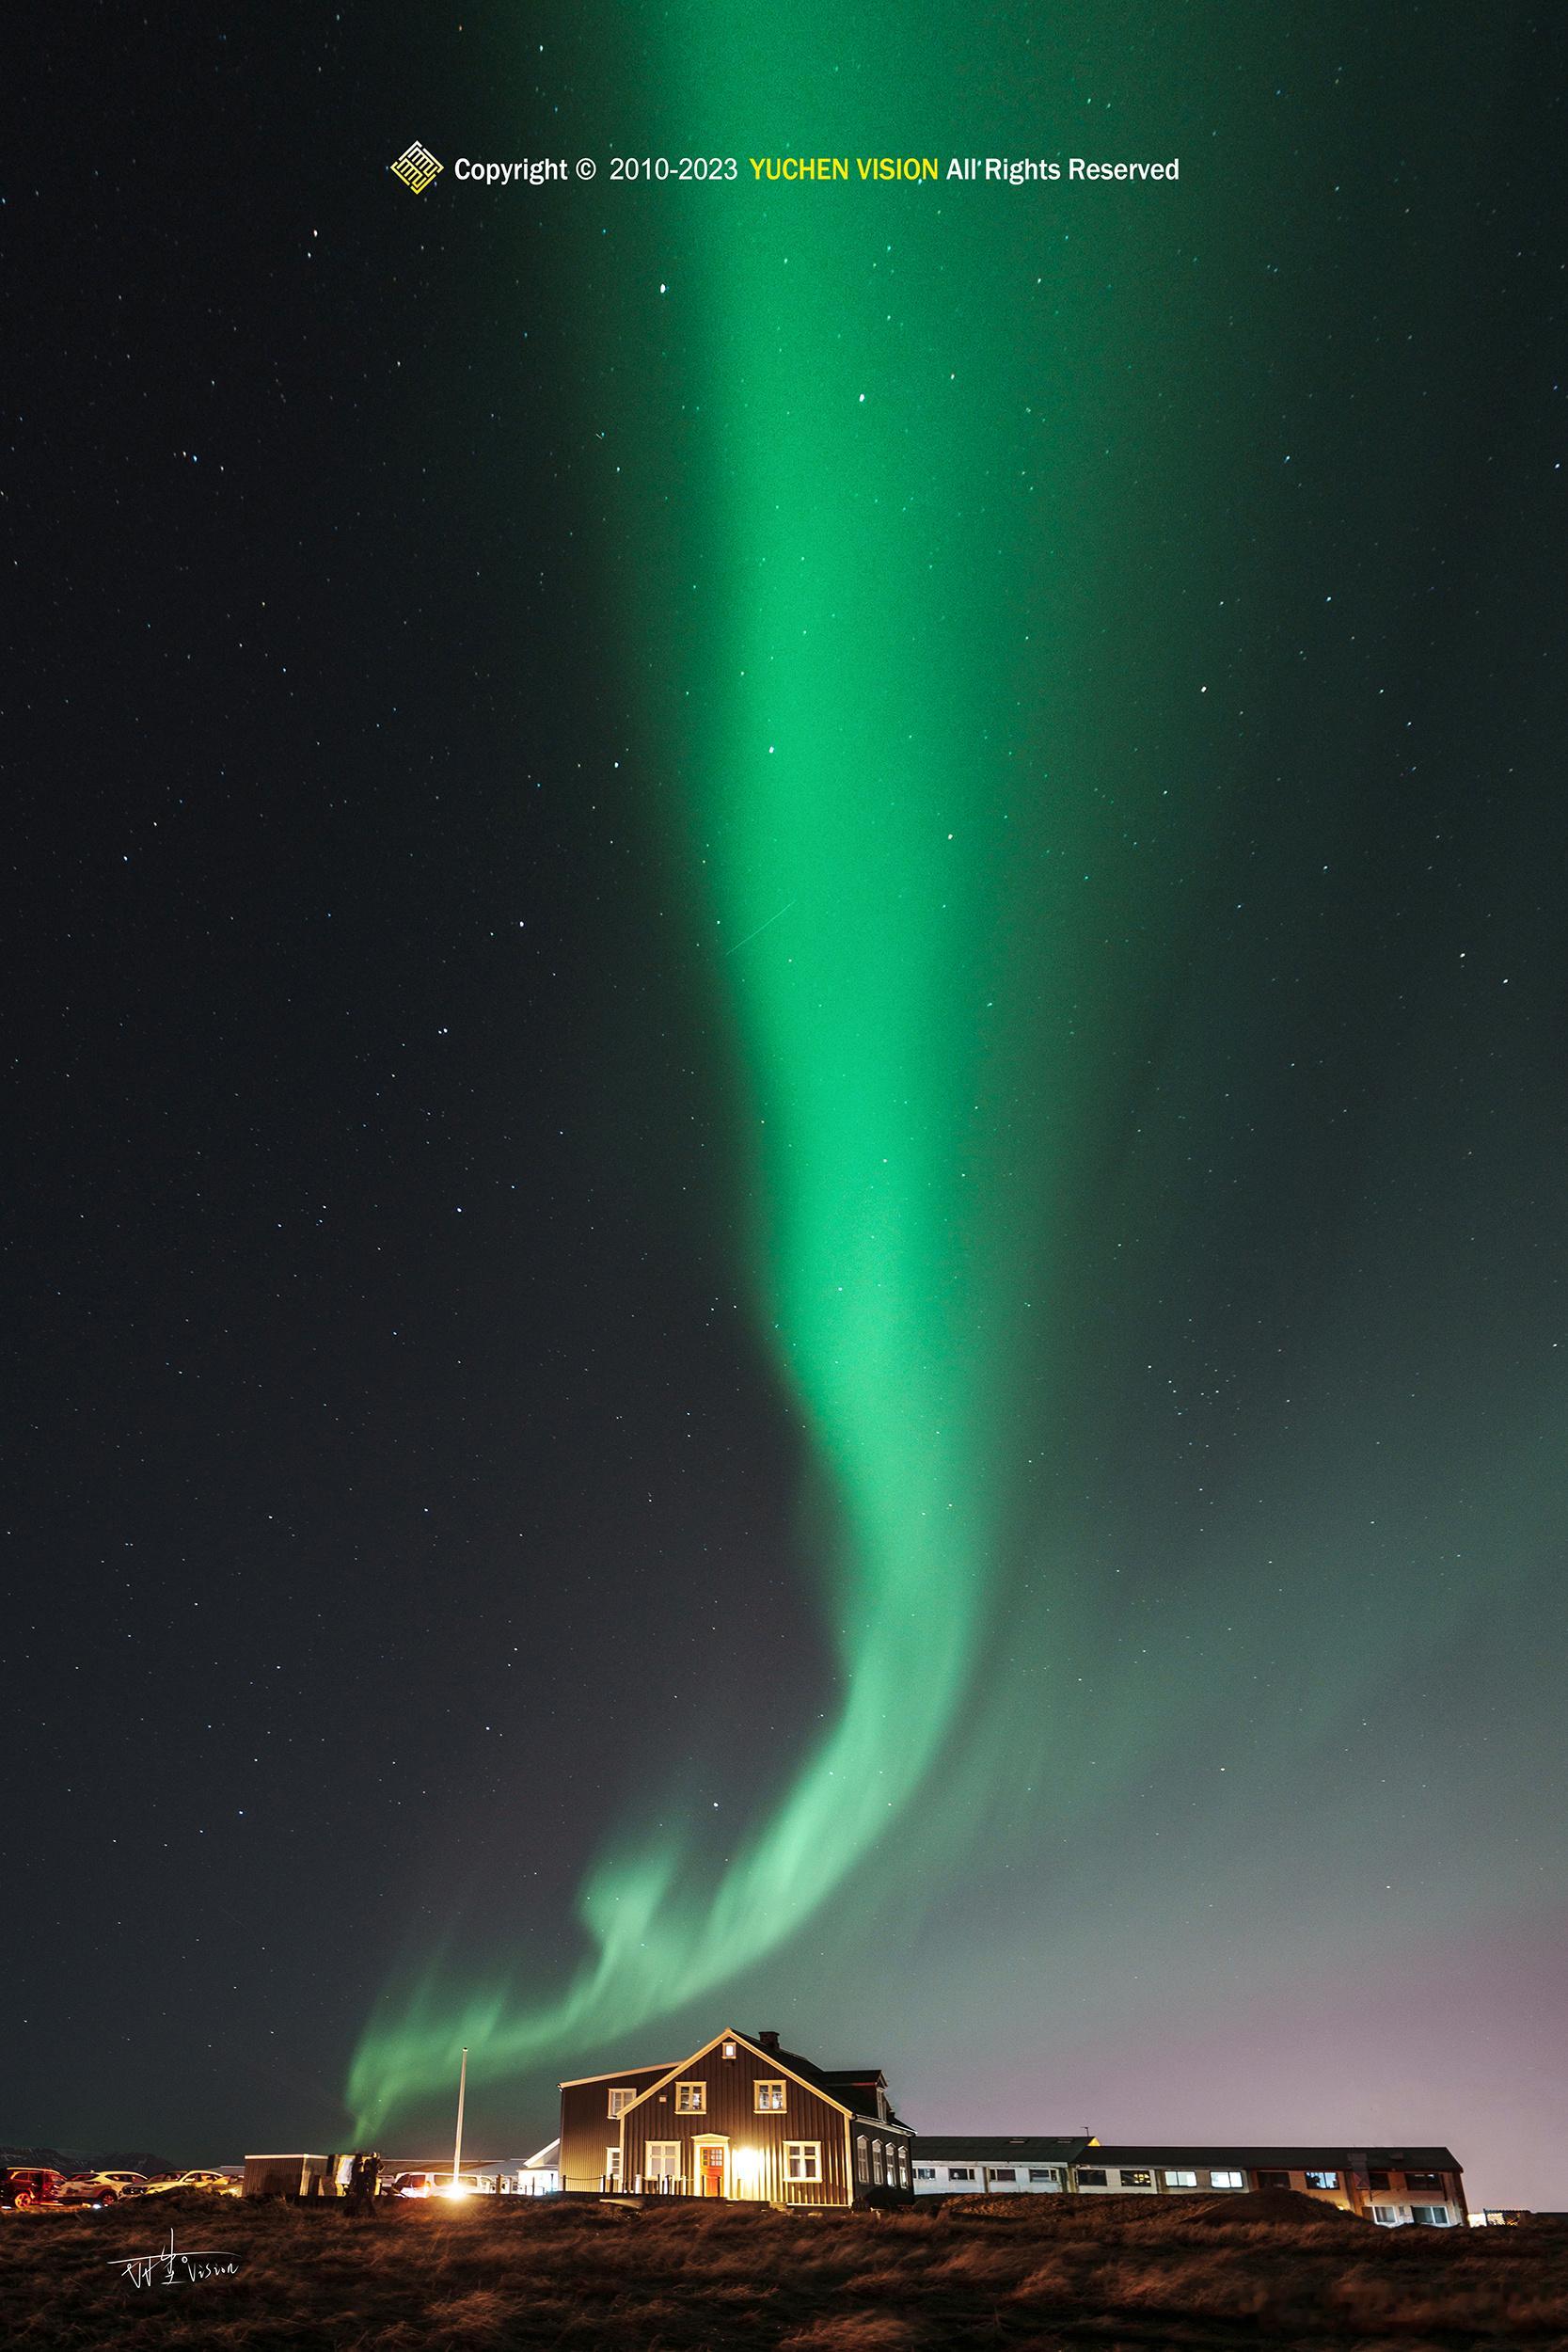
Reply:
x=1025, y=2149
x=851, y=2086
x=616, y=2074
x=801, y=2070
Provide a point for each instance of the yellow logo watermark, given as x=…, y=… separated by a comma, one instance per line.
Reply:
x=416, y=167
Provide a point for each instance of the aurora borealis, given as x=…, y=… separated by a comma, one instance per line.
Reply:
x=815, y=1271
x=893, y=466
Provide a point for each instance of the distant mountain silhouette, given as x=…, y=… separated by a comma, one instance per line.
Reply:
x=90, y=2160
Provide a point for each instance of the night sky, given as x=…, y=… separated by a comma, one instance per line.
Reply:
x=786, y=1228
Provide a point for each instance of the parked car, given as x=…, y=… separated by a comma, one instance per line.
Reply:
x=436, y=2183
x=216, y=2183
x=23, y=2185
x=101, y=2188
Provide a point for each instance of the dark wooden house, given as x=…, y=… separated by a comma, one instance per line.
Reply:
x=740, y=2118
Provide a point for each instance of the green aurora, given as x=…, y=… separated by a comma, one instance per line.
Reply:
x=863, y=813
x=909, y=517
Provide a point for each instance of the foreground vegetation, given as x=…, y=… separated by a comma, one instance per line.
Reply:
x=1016, y=2274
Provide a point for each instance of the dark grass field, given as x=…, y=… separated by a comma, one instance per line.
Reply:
x=1026, y=2272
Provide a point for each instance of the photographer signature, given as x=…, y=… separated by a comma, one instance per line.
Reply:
x=172, y=2269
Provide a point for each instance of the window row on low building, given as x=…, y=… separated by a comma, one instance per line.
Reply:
x=1427, y=2184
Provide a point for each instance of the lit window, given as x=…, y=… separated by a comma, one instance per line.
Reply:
x=769, y=2098
x=612, y=2167
x=691, y=2098
x=1180, y=2180
x=862, y=2162
x=903, y=2167
x=1321, y=2180
x=1238, y=2180
x=802, y=2160
x=877, y=2162
x=1136, y=2180
x=729, y=2049
x=620, y=2100
x=961, y=2171
x=662, y=2158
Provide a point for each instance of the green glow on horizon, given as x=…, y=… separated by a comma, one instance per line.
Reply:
x=874, y=635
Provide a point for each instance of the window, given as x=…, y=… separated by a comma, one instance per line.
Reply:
x=1090, y=2177
x=1321, y=2180
x=1136, y=2180
x=1036, y=2173
x=1424, y=2180
x=691, y=2098
x=662, y=2159
x=1228, y=2180
x=769, y=2098
x=729, y=2049
x=862, y=2162
x=877, y=2162
x=802, y=2160
x=961, y=2171
x=903, y=2167
x=1432, y=2216
x=612, y=2165
x=1386, y=2217
x=1274, y=2180
x=1002, y=2173
x=1180, y=2180
x=1378, y=2180
x=924, y=2171
x=620, y=2100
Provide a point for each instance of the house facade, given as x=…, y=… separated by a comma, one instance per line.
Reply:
x=740, y=2118
x=538, y=2175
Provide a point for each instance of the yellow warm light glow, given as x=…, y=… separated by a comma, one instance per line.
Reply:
x=748, y=2164
x=455, y=2188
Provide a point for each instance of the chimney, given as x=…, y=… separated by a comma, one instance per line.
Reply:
x=769, y=2041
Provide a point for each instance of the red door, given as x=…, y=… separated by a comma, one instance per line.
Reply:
x=713, y=2171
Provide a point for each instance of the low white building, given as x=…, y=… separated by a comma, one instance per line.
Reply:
x=1394, y=2187
x=538, y=2175
x=1391, y=2187
x=1016, y=2167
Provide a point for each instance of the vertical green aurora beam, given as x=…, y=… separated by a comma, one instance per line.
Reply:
x=898, y=472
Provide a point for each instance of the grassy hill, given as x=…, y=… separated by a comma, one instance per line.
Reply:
x=1030, y=2273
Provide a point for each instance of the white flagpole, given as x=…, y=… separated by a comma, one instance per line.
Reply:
x=462, y=2086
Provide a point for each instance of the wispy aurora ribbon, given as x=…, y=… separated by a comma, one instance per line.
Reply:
x=855, y=560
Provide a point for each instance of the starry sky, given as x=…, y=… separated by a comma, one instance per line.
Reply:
x=786, y=1238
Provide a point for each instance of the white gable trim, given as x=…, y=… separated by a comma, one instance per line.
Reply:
x=769, y=2057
